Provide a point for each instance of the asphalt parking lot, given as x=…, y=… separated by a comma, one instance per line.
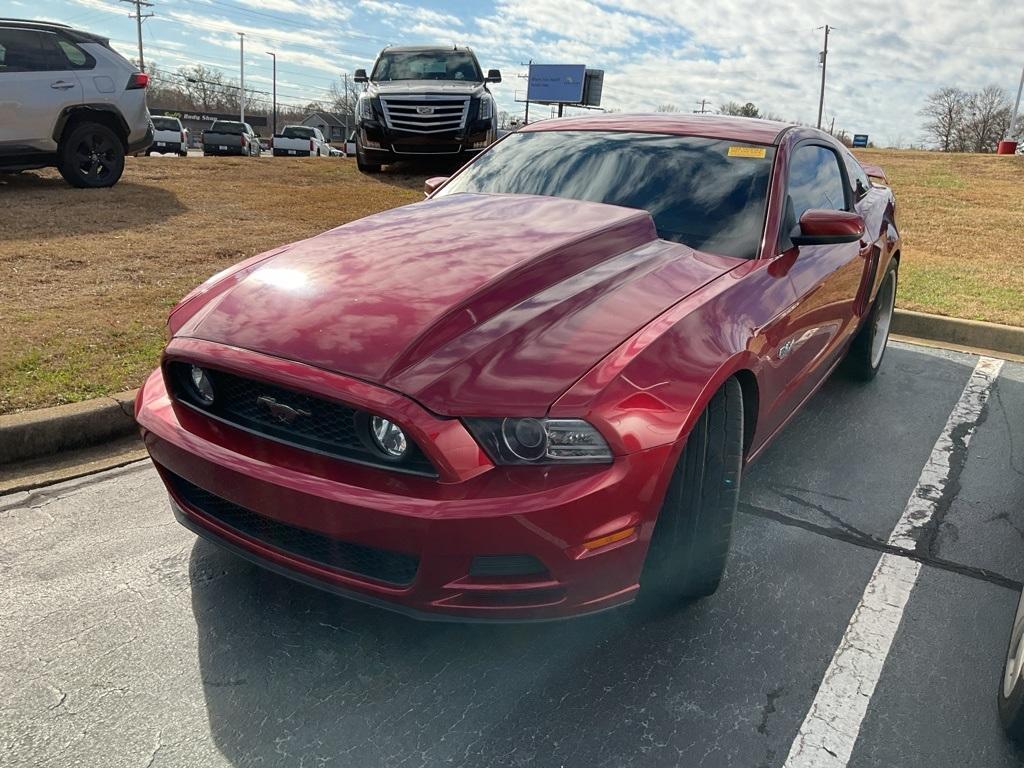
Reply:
x=129, y=642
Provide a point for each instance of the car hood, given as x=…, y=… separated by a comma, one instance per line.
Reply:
x=419, y=87
x=472, y=304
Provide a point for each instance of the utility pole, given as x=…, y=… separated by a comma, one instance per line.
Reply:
x=702, y=110
x=1016, y=106
x=832, y=128
x=274, y=90
x=823, y=56
x=241, y=82
x=526, y=118
x=139, y=17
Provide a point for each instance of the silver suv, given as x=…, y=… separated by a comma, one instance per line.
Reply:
x=70, y=101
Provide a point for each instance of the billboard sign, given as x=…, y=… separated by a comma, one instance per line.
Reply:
x=593, y=87
x=556, y=83
x=860, y=139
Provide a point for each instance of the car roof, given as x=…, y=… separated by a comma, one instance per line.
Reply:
x=77, y=35
x=746, y=129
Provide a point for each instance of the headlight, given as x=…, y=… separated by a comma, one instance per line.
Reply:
x=364, y=108
x=486, y=107
x=540, y=441
x=388, y=437
x=202, y=388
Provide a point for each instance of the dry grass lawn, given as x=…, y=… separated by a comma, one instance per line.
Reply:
x=962, y=221
x=87, y=277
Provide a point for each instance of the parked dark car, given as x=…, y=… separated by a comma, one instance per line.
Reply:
x=230, y=137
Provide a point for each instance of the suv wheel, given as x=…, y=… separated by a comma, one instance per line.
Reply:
x=91, y=155
x=363, y=166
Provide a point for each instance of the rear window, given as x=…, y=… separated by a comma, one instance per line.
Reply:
x=297, y=132
x=706, y=193
x=166, y=124
x=223, y=126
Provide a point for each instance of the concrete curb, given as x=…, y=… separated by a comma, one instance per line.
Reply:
x=968, y=333
x=32, y=434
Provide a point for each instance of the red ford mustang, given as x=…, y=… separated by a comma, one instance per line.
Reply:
x=533, y=394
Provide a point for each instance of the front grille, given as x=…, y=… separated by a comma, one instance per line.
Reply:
x=320, y=425
x=379, y=564
x=425, y=114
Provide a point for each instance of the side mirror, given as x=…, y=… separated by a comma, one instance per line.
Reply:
x=431, y=184
x=493, y=76
x=360, y=76
x=820, y=226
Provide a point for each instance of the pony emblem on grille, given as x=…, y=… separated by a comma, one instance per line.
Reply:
x=279, y=411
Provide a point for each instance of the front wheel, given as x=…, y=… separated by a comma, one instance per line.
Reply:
x=363, y=166
x=865, y=356
x=91, y=156
x=691, y=538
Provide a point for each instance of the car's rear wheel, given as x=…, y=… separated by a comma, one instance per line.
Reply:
x=91, y=155
x=1011, y=686
x=865, y=356
x=691, y=538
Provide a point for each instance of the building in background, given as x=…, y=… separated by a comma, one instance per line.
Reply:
x=197, y=122
x=333, y=126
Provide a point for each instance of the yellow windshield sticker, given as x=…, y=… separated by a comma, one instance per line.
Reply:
x=758, y=152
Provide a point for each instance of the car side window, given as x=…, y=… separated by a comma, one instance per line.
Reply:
x=22, y=50
x=76, y=57
x=859, y=182
x=815, y=180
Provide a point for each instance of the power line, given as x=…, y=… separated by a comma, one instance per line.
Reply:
x=139, y=17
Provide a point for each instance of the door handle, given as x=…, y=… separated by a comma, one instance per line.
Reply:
x=62, y=85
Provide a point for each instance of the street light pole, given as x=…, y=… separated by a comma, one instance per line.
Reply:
x=824, y=62
x=241, y=82
x=274, y=90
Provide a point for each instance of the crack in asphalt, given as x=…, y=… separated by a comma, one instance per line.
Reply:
x=867, y=541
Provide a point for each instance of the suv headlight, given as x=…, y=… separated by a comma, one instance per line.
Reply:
x=486, y=107
x=540, y=441
x=364, y=108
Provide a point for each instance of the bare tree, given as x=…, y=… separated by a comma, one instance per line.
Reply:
x=740, y=110
x=946, y=111
x=667, y=108
x=987, y=119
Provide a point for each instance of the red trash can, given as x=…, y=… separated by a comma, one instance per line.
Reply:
x=1007, y=148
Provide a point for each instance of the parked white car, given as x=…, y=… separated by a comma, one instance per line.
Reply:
x=300, y=141
x=169, y=136
x=68, y=100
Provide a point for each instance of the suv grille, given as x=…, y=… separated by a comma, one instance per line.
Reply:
x=379, y=564
x=425, y=114
x=322, y=426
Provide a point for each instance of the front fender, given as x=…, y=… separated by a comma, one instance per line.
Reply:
x=651, y=390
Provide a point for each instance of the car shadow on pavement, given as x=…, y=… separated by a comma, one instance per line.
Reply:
x=61, y=210
x=289, y=671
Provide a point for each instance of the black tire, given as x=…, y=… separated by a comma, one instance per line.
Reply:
x=1010, y=699
x=864, y=359
x=363, y=166
x=691, y=538
x=148, y=153
x=183, y=154
x=91, y=155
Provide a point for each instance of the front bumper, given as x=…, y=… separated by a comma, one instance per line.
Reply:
x=382, y=144
x=473, y=510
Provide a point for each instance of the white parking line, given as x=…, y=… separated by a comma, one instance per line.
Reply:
x=829, y=732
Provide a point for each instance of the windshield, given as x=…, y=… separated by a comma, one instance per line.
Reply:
x=297, y=132
x=166, y=124
x=222, y=126
x=706, y=193
x=427, y=65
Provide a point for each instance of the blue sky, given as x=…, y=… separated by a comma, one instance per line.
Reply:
x=885, y=55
